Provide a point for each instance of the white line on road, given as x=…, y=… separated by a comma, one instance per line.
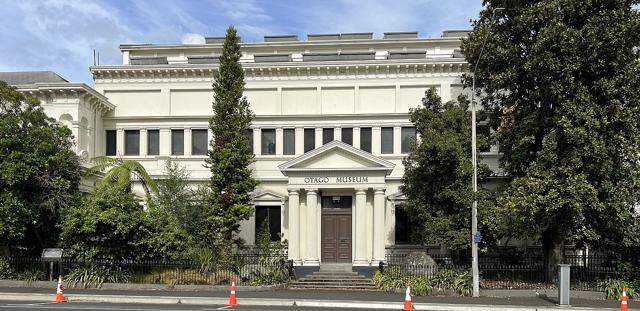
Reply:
x=71, y=307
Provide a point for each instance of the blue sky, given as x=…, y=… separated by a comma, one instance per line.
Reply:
x=60, y=35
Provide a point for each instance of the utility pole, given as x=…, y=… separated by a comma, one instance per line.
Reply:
x=474, y=158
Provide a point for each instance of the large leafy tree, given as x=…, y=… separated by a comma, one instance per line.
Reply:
x=123, y=173
x=560, y=79
x=230, y=154
x=438, y=172
x=39, y=172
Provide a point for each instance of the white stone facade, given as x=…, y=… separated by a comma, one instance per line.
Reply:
x=343, y=86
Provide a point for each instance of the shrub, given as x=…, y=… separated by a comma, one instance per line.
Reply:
x=31, y=276
x=421, y=286
x=6, y=272
x=613, y=288
x=94, y=275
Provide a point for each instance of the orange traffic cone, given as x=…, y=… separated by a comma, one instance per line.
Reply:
x=624, y=306
x=408, y=306
x=59, y=295
x=232, y=297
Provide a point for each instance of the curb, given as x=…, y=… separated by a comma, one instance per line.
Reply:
x=273, y=302
x=149, y=287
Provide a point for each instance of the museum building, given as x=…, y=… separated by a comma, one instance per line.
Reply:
x=331, y=127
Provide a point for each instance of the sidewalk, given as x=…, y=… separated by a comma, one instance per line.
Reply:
x=312, y=298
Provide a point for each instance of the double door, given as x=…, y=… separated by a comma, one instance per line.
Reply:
x=336, y=229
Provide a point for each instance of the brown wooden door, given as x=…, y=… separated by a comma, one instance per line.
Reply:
x=336, y=237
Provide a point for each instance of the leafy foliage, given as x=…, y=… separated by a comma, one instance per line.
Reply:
x=6, y=272
x=273, y=256
x=123, y=173
x=437, y=178
x=457, y=280
x=39, y=172
x=560, y=81
x=94, y=275
x=613, y=288
x=230, y=155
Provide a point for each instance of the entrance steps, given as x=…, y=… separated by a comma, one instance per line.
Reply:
x=334, y=277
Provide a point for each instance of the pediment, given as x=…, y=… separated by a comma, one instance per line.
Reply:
x=336, y=156
x=268, y=196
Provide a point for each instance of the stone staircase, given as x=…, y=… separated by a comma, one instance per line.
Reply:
x=334, y=276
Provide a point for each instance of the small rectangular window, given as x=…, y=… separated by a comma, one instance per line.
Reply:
x=111, y=142
x=268, y=216
x=268, y=139
x=327, y=135
x=347, y=135
x=407, y=136
x=131, y=142
x=386, y=140
x=249, y=134
x=289, y=140
x=177, y=142
x=153, y=142
x=309, y=139
x=365, y=139
x=199, y=142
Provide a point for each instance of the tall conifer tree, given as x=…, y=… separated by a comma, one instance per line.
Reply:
x=230, y=154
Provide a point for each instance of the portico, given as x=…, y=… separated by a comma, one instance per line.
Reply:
x=336, y=206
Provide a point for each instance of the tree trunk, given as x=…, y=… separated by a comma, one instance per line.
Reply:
x=552, y=249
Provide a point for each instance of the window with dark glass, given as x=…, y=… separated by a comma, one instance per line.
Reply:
x=327, y=135
x=249, y=134
x=365, y=139
x=403, y=226
x=153, y=142
x=131, y=142
x=309, y=139
x=289, y=141
x=386, y=140
x=177, y=142
x=483, y=131
x=268, y=141
x=110, y=139
x=347, y=136
x=407, y=136
x=199, y=142
x=268, y=217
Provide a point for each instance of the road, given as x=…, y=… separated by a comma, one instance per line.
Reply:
x=26, y=305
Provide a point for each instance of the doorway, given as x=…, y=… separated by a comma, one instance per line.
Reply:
x=336, y=229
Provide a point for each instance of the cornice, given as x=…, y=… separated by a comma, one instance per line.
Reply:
x=94, y=100
x=383, y=69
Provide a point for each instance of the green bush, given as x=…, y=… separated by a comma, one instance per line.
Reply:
x=31, y=276
x=421, y=286
x=613, y=288
x=458, y=280
x=6, y=272
x=95, y=275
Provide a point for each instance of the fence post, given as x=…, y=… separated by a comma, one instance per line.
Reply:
x=564, y=284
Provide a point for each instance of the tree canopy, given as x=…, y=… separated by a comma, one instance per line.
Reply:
x=39, y=172
x=438, y=171
x=230, y=154
x=560, y=80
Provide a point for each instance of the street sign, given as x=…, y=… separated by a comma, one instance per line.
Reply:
x=477, y=237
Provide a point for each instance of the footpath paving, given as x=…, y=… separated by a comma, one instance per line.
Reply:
x=311, y=298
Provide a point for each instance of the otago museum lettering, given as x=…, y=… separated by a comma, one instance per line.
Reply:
x=337, y=180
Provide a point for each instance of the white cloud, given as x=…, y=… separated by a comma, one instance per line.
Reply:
x=192, y=38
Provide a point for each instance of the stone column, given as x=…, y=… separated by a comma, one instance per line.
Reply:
x=312, y=227
x=360, y=238
x=294, y=225
x=379, y=231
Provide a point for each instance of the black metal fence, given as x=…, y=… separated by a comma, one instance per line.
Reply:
x=244, y=269
x=517, y=272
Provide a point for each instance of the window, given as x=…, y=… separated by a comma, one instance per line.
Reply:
x=131, y=142
x=407, y=136
x=249, y=134
x=327, y=135
x=268, y=141
x=268, y=216
x=386, y=140
x=482, y=135
x=403, y=226
x=289, y=140
x=365, y=139
x=177, y=142
x=153, y=142
x=309, y=139
x=199, y=142
x=347, y=136
x=111, y=139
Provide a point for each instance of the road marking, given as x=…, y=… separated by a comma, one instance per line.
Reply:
x=70, y=307
x=223, y=308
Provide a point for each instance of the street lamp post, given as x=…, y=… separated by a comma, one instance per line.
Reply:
x=474, y=158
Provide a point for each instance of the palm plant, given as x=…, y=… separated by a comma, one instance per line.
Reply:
x=122, y=173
